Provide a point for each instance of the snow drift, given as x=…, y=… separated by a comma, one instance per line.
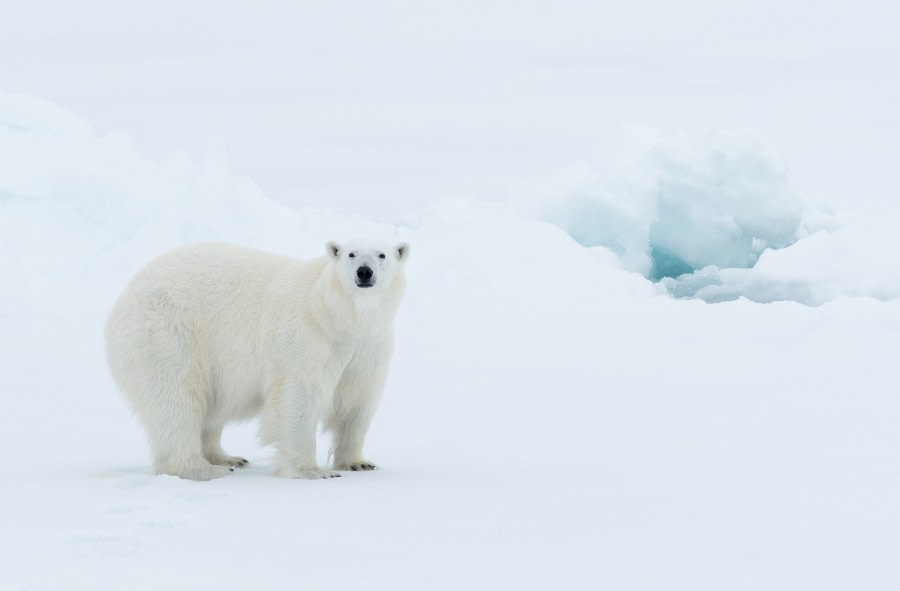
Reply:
x=717, y=218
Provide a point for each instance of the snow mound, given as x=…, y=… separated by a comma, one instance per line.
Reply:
x=690, y=203
x=720, y=205
x=716, y=218
x=853, y=260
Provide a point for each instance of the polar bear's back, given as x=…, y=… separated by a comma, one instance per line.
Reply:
x=207, y=305
x=198, y=282
x=206, y=271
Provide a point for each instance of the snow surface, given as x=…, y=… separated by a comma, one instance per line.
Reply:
x=554, y=418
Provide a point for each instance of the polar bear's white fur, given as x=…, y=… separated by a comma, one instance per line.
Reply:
x=212, y=333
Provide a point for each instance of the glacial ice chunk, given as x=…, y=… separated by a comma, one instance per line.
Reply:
x=719, y=200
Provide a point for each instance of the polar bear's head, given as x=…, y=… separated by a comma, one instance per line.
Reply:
x=368, y=265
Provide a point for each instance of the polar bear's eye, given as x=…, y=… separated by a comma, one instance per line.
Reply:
x=381, y=256
x=352, y=255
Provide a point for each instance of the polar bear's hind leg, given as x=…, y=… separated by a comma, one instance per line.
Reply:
x=174, y=429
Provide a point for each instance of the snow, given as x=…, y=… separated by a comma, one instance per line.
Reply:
x=717, y=201
x=554, y=418
x=716, y=217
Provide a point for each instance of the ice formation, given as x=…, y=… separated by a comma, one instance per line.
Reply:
x=692, y=203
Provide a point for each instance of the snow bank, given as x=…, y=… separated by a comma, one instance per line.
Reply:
x=714, y=218
x=688, y=203
x=854, y=259
x=717, y=218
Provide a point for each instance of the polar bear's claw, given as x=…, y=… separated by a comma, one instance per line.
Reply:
x=358, y=467
x=228, y=461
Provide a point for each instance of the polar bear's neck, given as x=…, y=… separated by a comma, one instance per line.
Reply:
x=355, y=316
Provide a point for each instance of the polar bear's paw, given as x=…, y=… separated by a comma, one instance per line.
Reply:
x=362, y=466
x=309, y=474
x=231, y=461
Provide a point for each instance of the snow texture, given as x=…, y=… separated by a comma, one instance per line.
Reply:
x=555, y=417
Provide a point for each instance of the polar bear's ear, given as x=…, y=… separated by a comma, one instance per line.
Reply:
x=402, y=251
x=333, y=249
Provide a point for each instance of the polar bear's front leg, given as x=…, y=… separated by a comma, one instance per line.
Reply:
x=213, y=452
x=298, y=420
x=356, y=400
x=349, y=437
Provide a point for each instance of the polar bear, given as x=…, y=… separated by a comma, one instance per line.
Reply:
x=212, y=333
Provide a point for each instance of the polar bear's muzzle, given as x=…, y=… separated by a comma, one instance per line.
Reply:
x=365, y=277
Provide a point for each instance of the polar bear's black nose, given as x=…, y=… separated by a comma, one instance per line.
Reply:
x=364, y=274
